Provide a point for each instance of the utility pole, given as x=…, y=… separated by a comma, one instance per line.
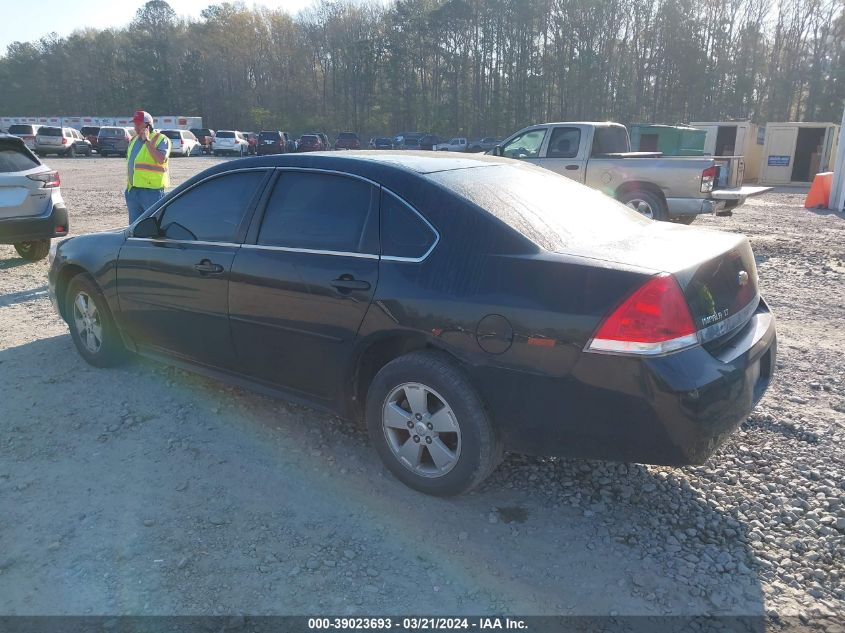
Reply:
x=837, y=189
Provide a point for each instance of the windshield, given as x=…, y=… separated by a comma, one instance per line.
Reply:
x=551, y=210
x=112, y=132
x=14, y=157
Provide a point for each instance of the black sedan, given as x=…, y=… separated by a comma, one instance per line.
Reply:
x=461, y=307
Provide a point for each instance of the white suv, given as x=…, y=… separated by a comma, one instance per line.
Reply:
x=183, y=143
x=62, y=141
x=230, y=142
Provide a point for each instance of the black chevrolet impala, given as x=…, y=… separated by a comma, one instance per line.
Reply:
x=462, y=307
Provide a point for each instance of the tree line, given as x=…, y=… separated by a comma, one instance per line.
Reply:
x=453, y=67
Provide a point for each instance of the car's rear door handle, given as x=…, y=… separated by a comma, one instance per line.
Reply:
x=206, y=267
x=348, y=282
x=572, y=167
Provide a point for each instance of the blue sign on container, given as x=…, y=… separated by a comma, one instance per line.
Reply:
x=778, y=161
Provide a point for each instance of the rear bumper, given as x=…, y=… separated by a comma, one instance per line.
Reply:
x=692, y=206
x=673, y=410
x=43, y=227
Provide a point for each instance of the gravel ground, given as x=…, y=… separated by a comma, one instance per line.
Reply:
x=148, y=490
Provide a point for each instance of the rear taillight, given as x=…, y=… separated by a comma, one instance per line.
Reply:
x=654, y=320
x=708, y=177
x=49, y=179
x=64, y=140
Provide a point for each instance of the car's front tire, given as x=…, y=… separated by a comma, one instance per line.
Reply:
x=33, y=250
x=429, y=426
x=92, y=327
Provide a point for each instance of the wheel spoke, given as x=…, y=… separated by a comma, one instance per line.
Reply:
x=411, y=452
x=80, y=326
x=97, y=331
x=443, y=422
x=81, y=305
x=395, y=417
x=416, y=396
x=440, y=454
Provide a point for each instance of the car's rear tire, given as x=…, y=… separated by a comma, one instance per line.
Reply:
x=92, y=327
x=33, y=250
x=646, y=203
x=429, y=426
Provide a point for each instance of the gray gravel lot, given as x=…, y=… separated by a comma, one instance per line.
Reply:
x=148, y=490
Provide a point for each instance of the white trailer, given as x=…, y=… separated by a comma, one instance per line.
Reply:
x=795, y=152
x=735, y=138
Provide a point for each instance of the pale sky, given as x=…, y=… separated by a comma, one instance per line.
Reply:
x=19, y=22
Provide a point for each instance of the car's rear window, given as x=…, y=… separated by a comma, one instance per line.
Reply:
x=50, y=131
x=89, y=131
x=15, y=158
x=269, y=135
x=552, y=211
x=347, y=136
x=309, y=138
x=202, y=132
x=172, y=135
x=225, y=135
x=112, y=132
x=20, y=129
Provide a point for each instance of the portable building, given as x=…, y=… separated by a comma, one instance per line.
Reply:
x=795, y=152
x=735, y=138
x=670, y=140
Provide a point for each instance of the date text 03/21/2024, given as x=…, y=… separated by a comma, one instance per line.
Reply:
x=416, y=624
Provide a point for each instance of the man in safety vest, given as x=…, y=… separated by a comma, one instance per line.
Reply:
x=146, y=166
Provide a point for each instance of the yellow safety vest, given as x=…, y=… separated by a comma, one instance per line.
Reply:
x=146, y=172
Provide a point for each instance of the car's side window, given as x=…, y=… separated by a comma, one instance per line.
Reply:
x=403, y=232
x=525, y=145
x=564, y=143
x=213, y=210
x=324, y=212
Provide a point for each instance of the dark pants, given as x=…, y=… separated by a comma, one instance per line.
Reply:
x=139, y=200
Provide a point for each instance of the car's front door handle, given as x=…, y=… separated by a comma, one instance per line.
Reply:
x=206, y=267
x=572, y=167
x=348, y=282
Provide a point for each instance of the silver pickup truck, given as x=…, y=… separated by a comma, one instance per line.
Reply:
x=599, y=155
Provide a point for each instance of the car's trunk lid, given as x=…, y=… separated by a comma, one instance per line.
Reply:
x=716, y=271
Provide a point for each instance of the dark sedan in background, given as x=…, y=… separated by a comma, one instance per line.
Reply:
x=461, y=306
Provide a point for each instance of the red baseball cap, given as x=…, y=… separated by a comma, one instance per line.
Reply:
x=142, y=117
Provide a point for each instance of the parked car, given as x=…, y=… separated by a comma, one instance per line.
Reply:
x=32, y=210
x=458, y=144
x=182, y=143
x=309, y=143
x=114, y=141
x=90, y=132
x=381, y=142
x=205, y=137
x=230, y=142
x=26, y=132
x=62, y=141
x=347, y=140
x=483, y=145
x=272, y=142
x=430, y=142
x=252, y=140
x=675, y=188
x=575, y=327
x=408, y=140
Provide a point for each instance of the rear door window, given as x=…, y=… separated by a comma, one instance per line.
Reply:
x=564, y=143
x=324, y=212
x=213, y=210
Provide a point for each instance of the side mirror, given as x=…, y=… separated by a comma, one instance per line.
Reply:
x=148, y=227
x=497, y=151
